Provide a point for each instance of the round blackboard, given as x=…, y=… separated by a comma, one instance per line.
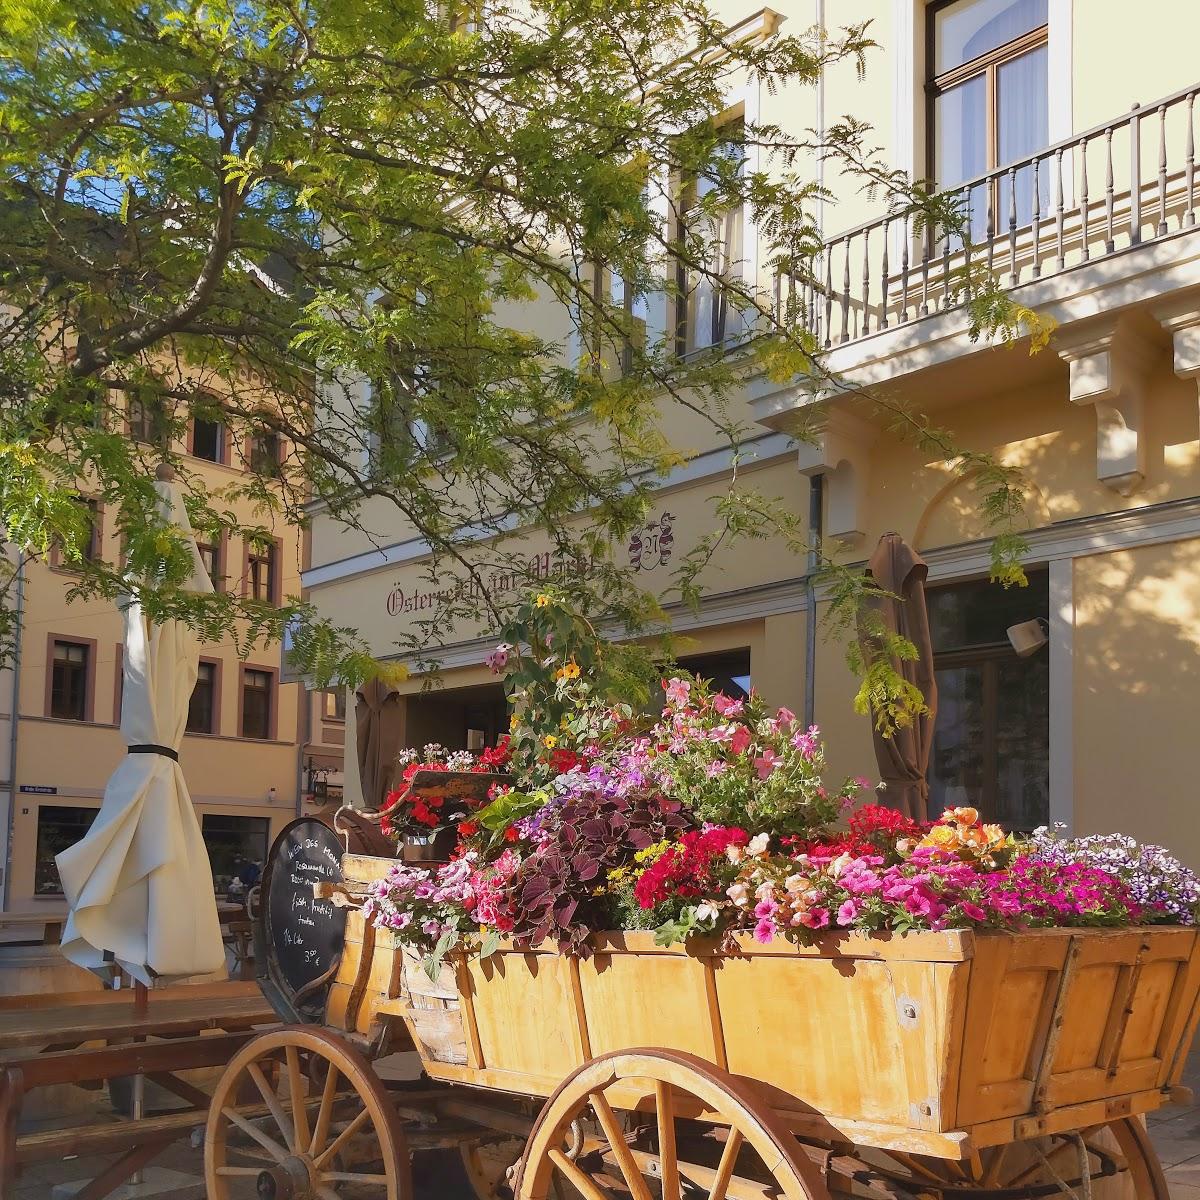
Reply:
x=301, y=936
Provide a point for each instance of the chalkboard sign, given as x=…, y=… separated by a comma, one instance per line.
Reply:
x=302, y=935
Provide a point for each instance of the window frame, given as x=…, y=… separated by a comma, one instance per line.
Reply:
x=222, y=441
x=274, y=559
x=272, y=701
x=254, y=464
x=332, y=696
x=214, y=729
x=987, y=64
x=89, y=681
x=685, y=200
x=95, y=553
x=159, y=421
x=220, y=548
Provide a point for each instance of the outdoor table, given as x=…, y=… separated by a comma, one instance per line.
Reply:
x=87, y=1037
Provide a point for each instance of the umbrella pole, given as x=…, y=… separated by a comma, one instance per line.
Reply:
x=138, y=1105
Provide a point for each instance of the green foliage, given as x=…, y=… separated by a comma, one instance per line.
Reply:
x=241, y=208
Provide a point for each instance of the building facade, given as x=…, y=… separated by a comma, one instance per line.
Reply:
x=254, y=749
x=1068, y=133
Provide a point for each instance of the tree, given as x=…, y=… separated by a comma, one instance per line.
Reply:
x=253, y=203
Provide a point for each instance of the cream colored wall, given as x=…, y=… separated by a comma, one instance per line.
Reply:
x=226, y=773
x=1137, y=694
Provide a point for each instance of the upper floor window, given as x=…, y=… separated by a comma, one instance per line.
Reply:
x=202, y=707
x=265, y=456
x=210, y=556
x=335, y=704
x=706, y=317
x=614, y=326
x=70, y=680
x=208, y=440
x=989, y=101
x=147, y=417
x=258, y=688
x=262, y=571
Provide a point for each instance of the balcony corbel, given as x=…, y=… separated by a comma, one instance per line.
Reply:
x=840, y=451
x=1182, y=322
x=1108, y=372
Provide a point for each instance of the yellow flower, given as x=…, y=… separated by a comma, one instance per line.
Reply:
x=542, y=601
x=568, y=671
x=550, y=741
x=513, y=722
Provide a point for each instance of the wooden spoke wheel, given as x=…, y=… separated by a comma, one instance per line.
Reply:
x=1106, y=1162
x=580, y=1147
x=300, y=1115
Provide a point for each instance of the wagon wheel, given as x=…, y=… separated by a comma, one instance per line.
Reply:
x=1106, y=1162
x=300, y=1115
x=756, y=1158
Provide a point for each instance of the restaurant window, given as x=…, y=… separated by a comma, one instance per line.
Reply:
x=991, y=742
x=208, y=440
x=202, y=707
x=706, y=317
x=335, y=704
x=147, y=417
x=988, y=94
x=727, y=672
x=265, y=457
x=70, y=679
x=262, y=571
x=257, y=700
x=58, y=828
x=232, y=843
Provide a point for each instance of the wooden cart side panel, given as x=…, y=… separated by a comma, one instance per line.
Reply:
x=525, y=1015
x=1119, y=1022
x=1179, y=1026
x=845, y=1038
x=1009, y=1008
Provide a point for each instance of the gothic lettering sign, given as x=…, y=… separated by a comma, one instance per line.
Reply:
x=651, y=546
x=404, y=599
x=303, y=935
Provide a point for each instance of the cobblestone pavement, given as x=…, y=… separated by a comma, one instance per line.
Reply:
x=1175, y=1130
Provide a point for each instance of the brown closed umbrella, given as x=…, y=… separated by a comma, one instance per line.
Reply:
x=903, y=756
x=379, y=718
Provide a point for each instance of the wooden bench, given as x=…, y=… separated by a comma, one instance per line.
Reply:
x=87, y=1037
x=51, y=926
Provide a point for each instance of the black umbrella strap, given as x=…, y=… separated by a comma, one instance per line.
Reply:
x=150, y=748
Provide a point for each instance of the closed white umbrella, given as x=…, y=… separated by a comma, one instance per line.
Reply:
x=139, y=883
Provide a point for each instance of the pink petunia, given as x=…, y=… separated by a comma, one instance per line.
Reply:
x=741, y=740
x=677, y=690
x=764, y=931
x=766, y=763
x=786, y=718
x=727, y=707
x=848, y=912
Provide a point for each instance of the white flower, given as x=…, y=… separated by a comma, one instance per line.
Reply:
x=737, y=893
x=707, y=911
x=758, y=845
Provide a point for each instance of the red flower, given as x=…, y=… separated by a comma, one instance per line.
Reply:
x=562, y=761
x=685, y=869
x=467, y=828
x=511, y=834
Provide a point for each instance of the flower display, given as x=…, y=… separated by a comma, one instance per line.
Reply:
x=716, y=820
x=1159, y=883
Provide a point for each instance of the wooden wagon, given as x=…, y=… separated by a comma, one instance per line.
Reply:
x=929, y=1065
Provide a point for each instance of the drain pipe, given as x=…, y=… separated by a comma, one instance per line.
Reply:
x=14, y=717
x=816, y=496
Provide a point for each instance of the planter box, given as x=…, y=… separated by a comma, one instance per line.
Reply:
x=920, y=1041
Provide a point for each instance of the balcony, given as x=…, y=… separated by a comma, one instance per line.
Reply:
x=1122, y=185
